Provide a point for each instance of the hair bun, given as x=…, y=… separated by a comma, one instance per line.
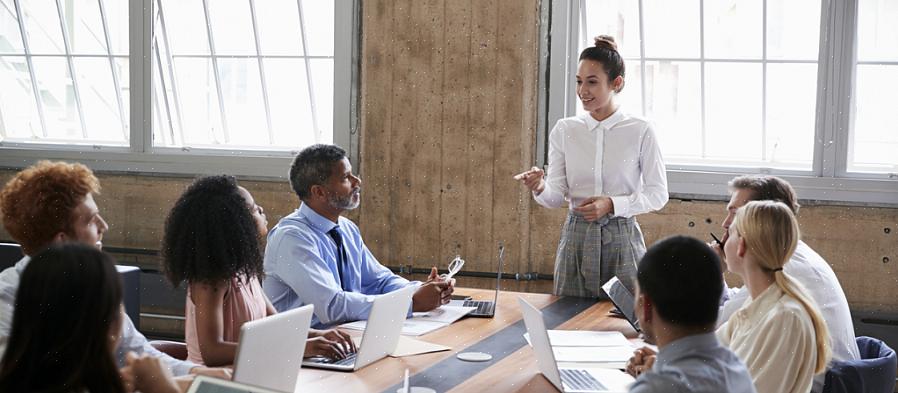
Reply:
x=606, y=41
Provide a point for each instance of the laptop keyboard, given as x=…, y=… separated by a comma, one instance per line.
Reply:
x=347, y=361
x=580, y=380
x=482, y=306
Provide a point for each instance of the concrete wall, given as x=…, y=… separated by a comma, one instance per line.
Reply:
x=448, y=115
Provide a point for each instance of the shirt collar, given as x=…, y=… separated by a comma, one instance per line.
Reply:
x=608, y=123
x=318, y=221
x=22, y=264
x=685, y=346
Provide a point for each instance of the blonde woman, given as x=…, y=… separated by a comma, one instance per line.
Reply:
x=779, y=332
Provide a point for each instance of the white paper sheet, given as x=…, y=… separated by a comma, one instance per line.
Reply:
x=593, y=354
x=444, y=314
x=425, y=322
x=586, y=338
x=408, y=346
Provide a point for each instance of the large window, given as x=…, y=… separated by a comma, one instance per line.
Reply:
x=164, y=83
x=742, y=86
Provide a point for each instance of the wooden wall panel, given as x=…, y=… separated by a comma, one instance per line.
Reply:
x=455, y=123
x=376, y=115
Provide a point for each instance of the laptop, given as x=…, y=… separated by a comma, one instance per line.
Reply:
x=623, y=300
x=204, y=384
x=485, y=308
x=388, y=313
x=567, y=380
x=269, y=350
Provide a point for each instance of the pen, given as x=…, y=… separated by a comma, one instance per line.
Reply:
x=716, y=239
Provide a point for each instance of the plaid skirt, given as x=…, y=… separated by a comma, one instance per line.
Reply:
x=591, y=253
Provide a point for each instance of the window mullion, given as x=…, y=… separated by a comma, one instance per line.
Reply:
x=701, y=39
x=764, y=156
x=642, y=67
x=836, y=69
x=176, y=101
x=140, y=28
x=20, y=15
x=71, y=65
x=215, y=72
x=252, y=11
x=305, y=52
x=115, y=77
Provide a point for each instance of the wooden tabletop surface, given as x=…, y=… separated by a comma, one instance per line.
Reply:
x=513, y=368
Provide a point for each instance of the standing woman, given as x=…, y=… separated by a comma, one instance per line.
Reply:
x=608, y=166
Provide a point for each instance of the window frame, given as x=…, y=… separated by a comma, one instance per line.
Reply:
x=828, y=181
x=141, y=157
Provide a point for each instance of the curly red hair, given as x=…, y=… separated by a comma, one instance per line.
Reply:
x=39, y=201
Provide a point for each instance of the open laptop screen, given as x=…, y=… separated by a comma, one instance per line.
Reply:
x=623, y=300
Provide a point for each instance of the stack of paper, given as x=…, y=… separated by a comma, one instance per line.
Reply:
x=423, y=322
x=605, y=349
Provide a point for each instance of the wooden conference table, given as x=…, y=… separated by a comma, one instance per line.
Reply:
x=513, y=368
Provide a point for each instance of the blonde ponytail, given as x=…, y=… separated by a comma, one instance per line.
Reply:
x=770, y=231
x=821, y=332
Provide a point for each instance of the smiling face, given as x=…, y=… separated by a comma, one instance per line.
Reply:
x=593, y=87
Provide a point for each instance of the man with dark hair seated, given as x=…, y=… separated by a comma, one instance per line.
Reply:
x=316, y=256
x=679, y=283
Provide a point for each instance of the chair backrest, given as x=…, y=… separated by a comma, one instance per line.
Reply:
x=10, y=253
x=875, y=372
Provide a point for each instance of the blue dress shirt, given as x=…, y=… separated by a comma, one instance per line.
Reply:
x=301, y=268
x=697, y=364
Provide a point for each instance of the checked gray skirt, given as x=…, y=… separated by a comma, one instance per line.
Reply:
x=591, y=253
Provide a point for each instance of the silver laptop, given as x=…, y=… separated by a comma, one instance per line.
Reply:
x=204, y=384
x=567, y=380
x=623, y=300
x=269, y=352
x=485, y=308
x=381, y=334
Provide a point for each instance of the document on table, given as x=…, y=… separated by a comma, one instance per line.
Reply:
x=593, y=354
x=424, y=322
x=408, y=346
x=585, y=338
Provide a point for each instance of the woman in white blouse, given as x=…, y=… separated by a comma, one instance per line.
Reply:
x=779, y=332
x=607, y=165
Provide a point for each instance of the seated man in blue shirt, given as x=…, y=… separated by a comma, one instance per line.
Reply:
x=679, y=283
x=315, y=256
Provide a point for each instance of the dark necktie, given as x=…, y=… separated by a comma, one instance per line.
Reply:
x=341, y=254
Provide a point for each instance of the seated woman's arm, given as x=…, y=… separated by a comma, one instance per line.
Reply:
x=208, y=301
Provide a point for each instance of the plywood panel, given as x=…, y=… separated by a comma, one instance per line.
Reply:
x=402, y=147
x=375, y=113
x=516, y=73
x=455, y=124
x=427, y=61
x=485, y=90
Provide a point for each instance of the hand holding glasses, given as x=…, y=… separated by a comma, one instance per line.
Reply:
x=454, y=267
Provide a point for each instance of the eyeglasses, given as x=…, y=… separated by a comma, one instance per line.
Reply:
x=455, y=266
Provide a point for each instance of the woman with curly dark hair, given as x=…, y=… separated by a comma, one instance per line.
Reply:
x=212, y=242
x=66, y=326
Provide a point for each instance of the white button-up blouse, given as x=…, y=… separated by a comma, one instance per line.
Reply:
x=617, y=157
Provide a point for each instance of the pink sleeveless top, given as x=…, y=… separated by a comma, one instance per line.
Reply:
x=243, y=302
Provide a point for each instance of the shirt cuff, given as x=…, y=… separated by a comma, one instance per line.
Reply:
x=181, y=367
x=621, y=206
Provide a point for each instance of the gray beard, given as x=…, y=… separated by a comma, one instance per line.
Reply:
x=345, y=203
